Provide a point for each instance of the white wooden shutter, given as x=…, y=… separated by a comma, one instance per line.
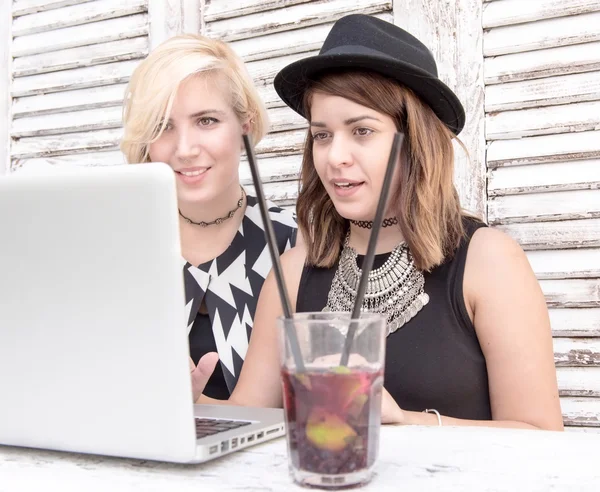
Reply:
x=71, y=60
x=542, y=103
x=269, y=34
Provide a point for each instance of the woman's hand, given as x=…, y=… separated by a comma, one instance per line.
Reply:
x=201, y=373
x=391, y=413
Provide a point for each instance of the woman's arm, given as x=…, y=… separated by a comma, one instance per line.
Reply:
x=259, y=384
x=509, y=312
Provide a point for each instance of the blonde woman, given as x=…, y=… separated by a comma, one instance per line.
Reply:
x=188, y=105
x=468, y=332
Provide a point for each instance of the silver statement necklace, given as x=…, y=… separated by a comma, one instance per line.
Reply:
x=394, y=290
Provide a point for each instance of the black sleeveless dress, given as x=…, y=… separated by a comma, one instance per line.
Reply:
x=434, y=360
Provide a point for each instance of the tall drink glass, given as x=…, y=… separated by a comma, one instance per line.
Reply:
x=333, y=412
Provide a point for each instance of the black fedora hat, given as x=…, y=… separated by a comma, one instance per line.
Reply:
x=361, y=42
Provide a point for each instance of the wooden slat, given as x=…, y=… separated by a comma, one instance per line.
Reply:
x=543, y=207
x=544, y=149
x=536, y=178
x=75, y=15
x=61, y=102
x=572, y=292
x=542, y=63
x=586, y=430
x=263, y=71
x=283, y=119
x=575, y=322
x=75, y=121
x=543, y=121
x=225, y=9
x=287, y=42
x=269, y=96
x=286, y=168
x=84, y=56
x=578, y=381
x=294, y=17
x=549, y=33
x=106, y=31
x=509, y=12
x=5, y=81
x=583, y=233
x=565, y=89
x=282, y=143
x=581, y=411
x=565, y=263
x=577, y=352
x=91, y=159
x=71, y=143
x=24, y=7
x=278, y=191
x=79, y=78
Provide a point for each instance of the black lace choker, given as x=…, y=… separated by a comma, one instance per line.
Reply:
x=220, y=220
x=368, y=224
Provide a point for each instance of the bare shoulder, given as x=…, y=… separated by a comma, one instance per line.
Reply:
x=492, y=246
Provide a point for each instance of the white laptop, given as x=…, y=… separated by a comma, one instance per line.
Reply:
x=93, y=338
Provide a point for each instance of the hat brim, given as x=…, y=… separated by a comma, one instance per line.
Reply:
x=291, y=82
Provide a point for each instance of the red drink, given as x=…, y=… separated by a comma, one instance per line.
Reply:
x=333, y=419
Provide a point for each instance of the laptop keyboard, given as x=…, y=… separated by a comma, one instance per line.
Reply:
x=209, y=427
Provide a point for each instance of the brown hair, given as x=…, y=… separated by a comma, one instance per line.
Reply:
x=426, y=201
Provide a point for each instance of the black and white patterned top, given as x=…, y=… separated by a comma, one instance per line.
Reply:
x=230, y=284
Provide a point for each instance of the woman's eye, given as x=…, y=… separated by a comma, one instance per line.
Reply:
x=207, y=121
x=320, y=136
x=363, y=132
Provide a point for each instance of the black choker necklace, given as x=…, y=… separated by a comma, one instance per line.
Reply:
x=220, y=220
x=368, y=224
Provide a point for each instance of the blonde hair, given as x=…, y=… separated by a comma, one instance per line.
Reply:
x=151, y=90
x=426, y=202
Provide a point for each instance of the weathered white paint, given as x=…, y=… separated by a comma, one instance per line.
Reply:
x=65, y=101
x=510, y=12
x=432, y=459
x=77, y=14
x=283, y=119
x=581, y=411
x=282, y=143
x=564, y=89
x=548, y=33
x=75, y=121
x=269, y=96
x=559, y=176
x=452, y=30
x=77, y=78
x=5, y=82
x=24, y=7
x=538, y=207
x=565, y=263
x=544, y=149
x=542, y=63
x=575, y=322
x=543, y=121
x=65, y=144
x=263, y=71
x=578, y=381
x=127, y=27
x=583, y=233
x=288, y=42
x=294, y=17
x=224, y=9
x=171, y=17
x=577, y=352
x=84, y=56
x=282, y=192
x=572, y=292
x=92, y=159
x=284, y=168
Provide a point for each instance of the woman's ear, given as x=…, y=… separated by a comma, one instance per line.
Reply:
x=246, y=130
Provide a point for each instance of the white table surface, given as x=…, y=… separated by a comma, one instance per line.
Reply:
x=411, y=458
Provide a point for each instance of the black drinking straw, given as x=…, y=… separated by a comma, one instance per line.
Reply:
x=370, y=256
x=270, y=236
